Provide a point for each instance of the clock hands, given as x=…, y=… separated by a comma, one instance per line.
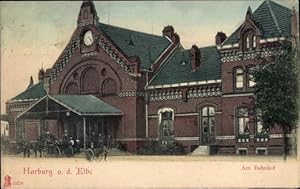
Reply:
x=88, y=38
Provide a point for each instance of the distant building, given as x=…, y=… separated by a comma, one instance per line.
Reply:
x=4, y=128
x=137, y=87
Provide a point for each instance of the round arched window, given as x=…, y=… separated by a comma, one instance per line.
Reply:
x=109, y=87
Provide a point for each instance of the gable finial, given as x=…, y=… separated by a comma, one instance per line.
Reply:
x=130, y=40
x=249, y=13
x=88, y=14
x=30, y=82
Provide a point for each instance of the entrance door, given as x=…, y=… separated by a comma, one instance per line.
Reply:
x=208, y=124
x=96, y=127
x=71, y=128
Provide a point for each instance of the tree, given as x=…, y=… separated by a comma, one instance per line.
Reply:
x=276, y=91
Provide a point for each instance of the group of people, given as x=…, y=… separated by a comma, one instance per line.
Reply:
x=101, y=142
x=47, y=140
x=70, y=141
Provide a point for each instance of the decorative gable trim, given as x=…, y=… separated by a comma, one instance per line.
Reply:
x=193, y=83
x=130, y=65
x=249, y=24
x=63, y=59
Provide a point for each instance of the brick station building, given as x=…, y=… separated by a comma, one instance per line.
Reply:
x=138, y=87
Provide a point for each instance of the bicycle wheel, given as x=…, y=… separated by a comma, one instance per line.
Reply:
x=89, y=154
x=99, y=155
x=69, y=151
x=56, y=151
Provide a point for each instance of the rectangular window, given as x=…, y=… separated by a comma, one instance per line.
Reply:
x=239, y=78
x=242, y=151
x=208, y=119
x=242, y=120
x=239, y=81
x=21, y=129
x=259, y=127
x=247, y=43
x=261, y=151
x=251, y=82
x=212, y=124
x=260, y=130
x=254, y=42
x=166, y=124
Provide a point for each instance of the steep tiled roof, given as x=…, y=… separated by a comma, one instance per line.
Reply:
x=34, y=92
x=146, y=46
x=274, y=20
x=178, y=68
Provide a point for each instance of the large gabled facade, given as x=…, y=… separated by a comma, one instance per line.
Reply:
x=198, y=96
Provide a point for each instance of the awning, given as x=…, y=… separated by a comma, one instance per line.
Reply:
x=81, y=105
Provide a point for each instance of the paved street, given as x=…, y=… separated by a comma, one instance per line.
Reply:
x=151, y=172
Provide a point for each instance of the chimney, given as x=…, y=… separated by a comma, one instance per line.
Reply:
x=169, y=32
x=41, y=74
x=220, y=38
x=195, y=57
x=294, y=24
x=47, y=80
x=30, y=82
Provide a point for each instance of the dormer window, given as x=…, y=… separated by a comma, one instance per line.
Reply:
x=249, y=33
x=249, y=41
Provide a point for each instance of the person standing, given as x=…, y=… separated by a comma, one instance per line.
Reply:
x=105, y=153
x=109, y=142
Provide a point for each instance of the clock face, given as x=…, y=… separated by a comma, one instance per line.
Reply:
x=88, y=38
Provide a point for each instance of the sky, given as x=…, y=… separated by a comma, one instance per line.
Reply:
x=33, y=34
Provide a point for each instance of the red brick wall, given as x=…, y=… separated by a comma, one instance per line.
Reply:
x=186, y=126
x=31, y=129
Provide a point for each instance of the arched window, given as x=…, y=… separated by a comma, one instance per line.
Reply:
x=72, y=88
x=249, y=40
x=89, y=80
x=109, y=87
x=239, y=78
x=166, y=121
x=208, y=119
x=242, y=120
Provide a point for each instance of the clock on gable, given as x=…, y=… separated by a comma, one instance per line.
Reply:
x=88, y=38
x=88, y=42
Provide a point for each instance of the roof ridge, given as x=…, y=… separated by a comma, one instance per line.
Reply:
x=277, y=4
x=132, y=30
x=273, y=16
x=165, y=63
x=231, y=35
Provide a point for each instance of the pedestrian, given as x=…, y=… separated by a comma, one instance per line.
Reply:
x=35, y=148
x=109, y=141
x=27, y=149
x=77, y=145
x=105, y=153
